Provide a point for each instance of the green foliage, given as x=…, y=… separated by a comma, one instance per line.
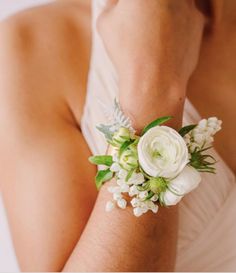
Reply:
x=156, y=122
x=129, y=175
x=124, y=146
x=101, y=160
x=102, y=176
x=202, y=162
x=185, y=130
x=106, y=130
x=150, y=195
x=157, y=184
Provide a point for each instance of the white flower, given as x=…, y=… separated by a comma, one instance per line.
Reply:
x=170, y=199
x=138, y=211
x=155, y=209
x=122, y=174
x=154, y=198
x=162, y=152
x=120, y=136
x=109, y=206
x=115, y=157
x=122, y=203
x=128, y=160
x=124, y=187
x=143, y=194
x=202, y=135
x=117, y=196
x=114, y=189
x=136, y=179
x=141, y=207
x=133, y=191
x=135, y=202
x=115, y=167
x=184, y=183
x=215, y=123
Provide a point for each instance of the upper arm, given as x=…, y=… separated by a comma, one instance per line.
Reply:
x=43, y=157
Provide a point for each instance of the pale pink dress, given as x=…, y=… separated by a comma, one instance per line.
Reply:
x=207, y=240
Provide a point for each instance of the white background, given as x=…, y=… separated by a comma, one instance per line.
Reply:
x=11, y=6
x=7, y=258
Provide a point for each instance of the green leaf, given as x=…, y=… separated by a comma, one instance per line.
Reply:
x=185, y=130
x=106, y=130
x=144, y=187
x=156, y=122
x=161, y=200
x=129, y=175
x=101, y=160
x=124, y=146
x=103, y=176
x=150, y=195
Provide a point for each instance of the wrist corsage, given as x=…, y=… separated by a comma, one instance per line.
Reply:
x=158, y=167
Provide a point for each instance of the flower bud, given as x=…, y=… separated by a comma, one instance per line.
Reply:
x=129, y=160
x=157, y=185
x=122, y=135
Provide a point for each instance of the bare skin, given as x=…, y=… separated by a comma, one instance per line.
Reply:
x=43, y=79
x=41, y=112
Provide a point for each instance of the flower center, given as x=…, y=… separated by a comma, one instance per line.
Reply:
x=156, y=154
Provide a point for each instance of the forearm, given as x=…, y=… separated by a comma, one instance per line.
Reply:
x=152, y=84
x=118, y=241
x=154, y=75
x=150, y=100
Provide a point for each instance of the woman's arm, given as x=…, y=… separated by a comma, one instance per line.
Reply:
x=118, y=241
x=154, y=46
x=43, y=154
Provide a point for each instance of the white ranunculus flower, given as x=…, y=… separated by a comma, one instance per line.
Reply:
x=184, y=183
x=170, y=199
x=162, y=152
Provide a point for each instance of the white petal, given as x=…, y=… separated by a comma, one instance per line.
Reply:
x=113, y=189
x=115, y=167
x=135, y=202
x=138, y=211
x=120, y=182
x=109, y=206
x=144, y=209
x=115, y=157
x=155, y=209
x=117, y=196
x=186, y=181
x=122, y=203
x=150, y=204
x=143, y=194
x=170, y=199
x=122, y=174
x=202, y=123
x=124, y=188
x=136, y=179
x=133, y=191
x=154, y=198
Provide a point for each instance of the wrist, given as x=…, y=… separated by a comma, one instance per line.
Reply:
x=149, y=78
x=143, y=100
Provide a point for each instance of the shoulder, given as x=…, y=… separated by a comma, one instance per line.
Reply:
x=39, y=68
x=45, y=29
x=35, y=53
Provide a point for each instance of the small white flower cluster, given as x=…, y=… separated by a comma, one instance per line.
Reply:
x=139, y=203
x=202, y=135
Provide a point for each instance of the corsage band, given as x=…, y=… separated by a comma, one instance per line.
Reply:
x=158, y=167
